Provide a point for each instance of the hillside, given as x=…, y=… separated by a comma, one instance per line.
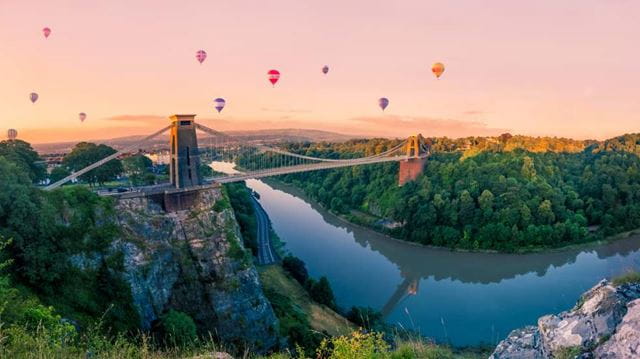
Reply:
x=508, y=193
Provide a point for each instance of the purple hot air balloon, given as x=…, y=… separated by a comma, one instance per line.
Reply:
x=201, y=55
x=219, y=102
x=383, y=102
x=325, y=69
x=33, y=97
x=82, y=116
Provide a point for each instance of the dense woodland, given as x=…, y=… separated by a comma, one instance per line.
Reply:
x=507, y=193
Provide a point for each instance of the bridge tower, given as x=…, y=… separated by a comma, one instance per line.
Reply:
x=185, y=158
x=416, y=149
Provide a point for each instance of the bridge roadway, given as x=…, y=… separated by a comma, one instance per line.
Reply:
x=243, y=176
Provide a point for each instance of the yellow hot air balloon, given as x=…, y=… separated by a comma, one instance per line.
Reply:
x=437, y=69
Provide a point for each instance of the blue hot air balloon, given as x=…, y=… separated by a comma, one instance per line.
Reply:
x=383, y=102
x=220, y=102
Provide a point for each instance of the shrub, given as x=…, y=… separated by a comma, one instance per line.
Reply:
x=178, y=328
x=321, y=292
x=627, y=278
x=356, y=345
x=296, y=267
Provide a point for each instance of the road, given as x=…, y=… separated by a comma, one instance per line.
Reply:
x=266, y=254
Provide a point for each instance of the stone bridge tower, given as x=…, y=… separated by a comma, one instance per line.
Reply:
x=185, y=158
x=416, y=149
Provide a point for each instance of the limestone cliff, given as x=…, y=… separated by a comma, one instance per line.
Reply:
x=605, y=323
x=193, y=260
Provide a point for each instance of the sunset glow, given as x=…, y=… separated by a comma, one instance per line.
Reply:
x=538, y=67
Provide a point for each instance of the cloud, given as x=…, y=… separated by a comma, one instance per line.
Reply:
x=473, y=113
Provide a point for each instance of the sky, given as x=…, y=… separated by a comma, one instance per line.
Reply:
x=560, y=68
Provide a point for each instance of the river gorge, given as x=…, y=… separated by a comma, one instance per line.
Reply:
x=458, y=298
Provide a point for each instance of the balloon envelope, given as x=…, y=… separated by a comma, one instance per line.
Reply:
x=201, y=55
x=12, y=134
x=274, y=76
x=46, y=31
x=325, y=69
x=437, y=69
x=219, y=103
x=383, y=102
x=82, y=116
x=33, y=97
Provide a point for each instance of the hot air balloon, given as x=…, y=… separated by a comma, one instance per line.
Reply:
x=219, y=102
x=46, y=31
x=82, y=116
x=437, y=69
x=383, y=102
x=325, y=69
x=201, y=55
x=12, y=134
x=33, y=97
x=274, y=76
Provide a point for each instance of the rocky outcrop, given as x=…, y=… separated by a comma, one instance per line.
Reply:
x=193, y=261
x=625, y=343
x=605, y=322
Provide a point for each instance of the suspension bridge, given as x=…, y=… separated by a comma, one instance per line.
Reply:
x=258, y=160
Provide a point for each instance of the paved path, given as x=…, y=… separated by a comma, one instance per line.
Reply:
x=266, y=254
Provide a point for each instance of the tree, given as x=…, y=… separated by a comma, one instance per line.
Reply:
x=85, y=154
x=321, y=292
x=138, y=168
x=58, y=173
x=545, y=212
x=296, y=268
x=528, y=168
x=25, y=157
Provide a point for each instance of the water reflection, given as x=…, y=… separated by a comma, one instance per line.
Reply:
x=461, y=298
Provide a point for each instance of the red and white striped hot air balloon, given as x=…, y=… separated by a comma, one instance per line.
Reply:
x=274, y=76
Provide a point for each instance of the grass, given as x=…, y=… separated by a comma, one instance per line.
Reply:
x=321, y=318
x=627, y=278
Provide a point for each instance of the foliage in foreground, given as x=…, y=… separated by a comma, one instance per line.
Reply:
x=627, y=278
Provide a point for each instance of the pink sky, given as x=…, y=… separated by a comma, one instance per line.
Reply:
x=566, y=68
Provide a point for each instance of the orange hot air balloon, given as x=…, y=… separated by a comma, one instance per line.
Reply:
x=437, y=69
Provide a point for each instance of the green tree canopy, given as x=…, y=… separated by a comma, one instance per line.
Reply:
x=25, y=157
x=85, y=154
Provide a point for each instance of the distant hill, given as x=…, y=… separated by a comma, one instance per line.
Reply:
x=277, y=135
x=506, y=142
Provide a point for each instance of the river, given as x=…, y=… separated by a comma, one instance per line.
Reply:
x=454, y=297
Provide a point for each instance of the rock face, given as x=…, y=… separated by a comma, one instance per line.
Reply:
x=604, y=322
x=193, y=261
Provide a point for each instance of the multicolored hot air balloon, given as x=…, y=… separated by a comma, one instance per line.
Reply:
x=437, y=69
x=325, y=69
x=82, y=116
x=12, y=134
x=274, y=76
x=33, y=97
x=383, y=102
x=46, y=31
x=219, y=103
x=201, y=55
